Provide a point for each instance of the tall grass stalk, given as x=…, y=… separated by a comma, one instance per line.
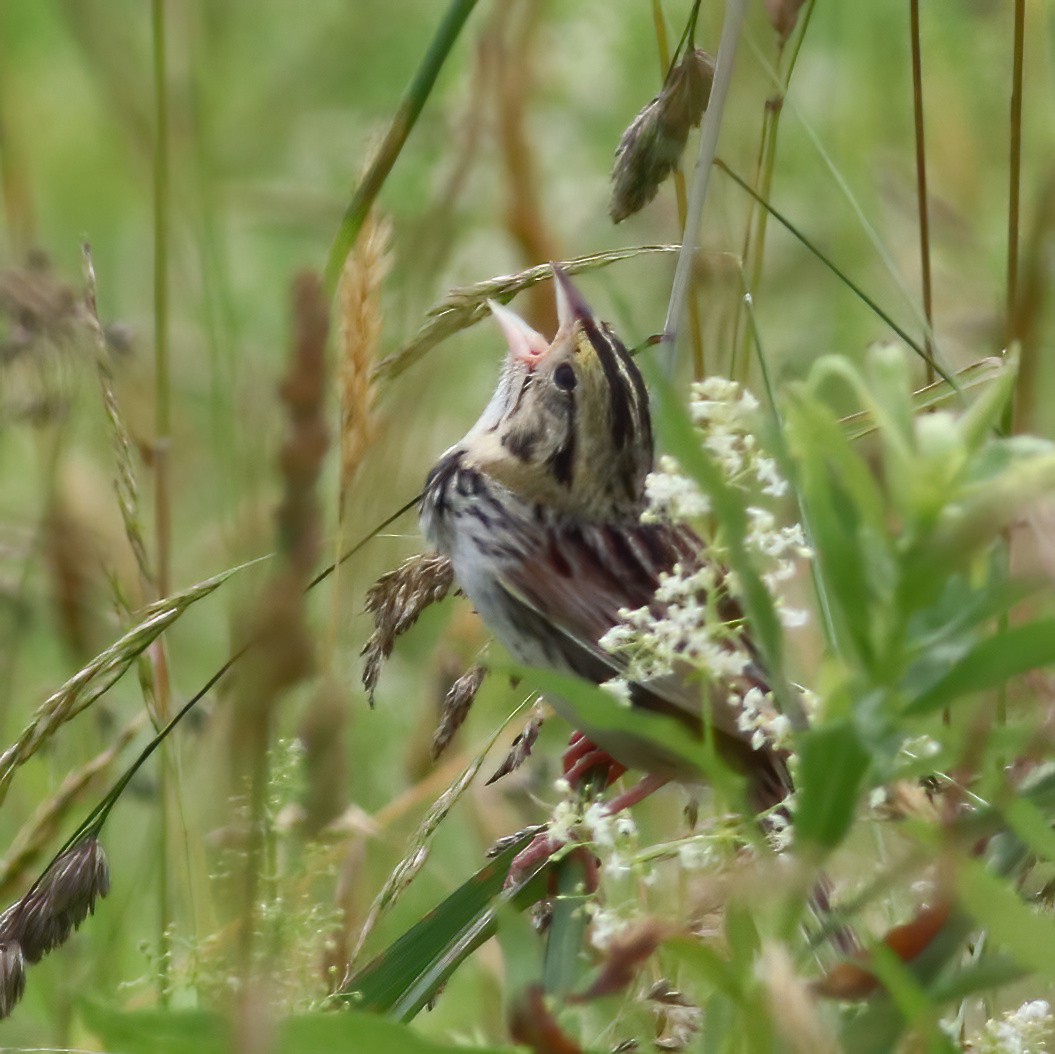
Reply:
x=922, y=205
x=162, y=496
x=754, y=245
x=735, y=13
x=699, y=362
x=395, y=138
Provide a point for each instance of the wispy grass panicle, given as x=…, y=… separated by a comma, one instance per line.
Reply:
x=359, y=335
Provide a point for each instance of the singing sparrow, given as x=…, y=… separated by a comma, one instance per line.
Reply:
x=539, y=509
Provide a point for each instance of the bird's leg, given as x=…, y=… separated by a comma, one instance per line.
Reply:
x=646, y=786
x=581, y=756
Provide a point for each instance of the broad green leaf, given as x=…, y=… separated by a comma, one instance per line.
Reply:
x=832, y=766
x=991, y=973
x=1031, y=825
x=704, y=963
x=990, y=663
x=404, y=977
x=844, y=512
x=1028, y=934
x=600, y=709
x=202, y=1032
x=158, y=1031
x=562, y=965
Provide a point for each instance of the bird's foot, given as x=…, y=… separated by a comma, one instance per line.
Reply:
x=582, y=757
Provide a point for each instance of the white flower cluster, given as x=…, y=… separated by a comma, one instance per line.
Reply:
x=760, y=719
x=613, y=838
x=1027, y=1030
x=689, y=622
x=689, y=630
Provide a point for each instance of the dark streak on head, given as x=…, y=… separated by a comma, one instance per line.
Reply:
x=631, y=370
x=520, y=443
x=622, y=412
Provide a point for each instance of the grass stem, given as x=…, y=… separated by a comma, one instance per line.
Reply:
x=162, y=440
x=699, y=363
x=921, y=183
x=735, y=12
x=402, y=123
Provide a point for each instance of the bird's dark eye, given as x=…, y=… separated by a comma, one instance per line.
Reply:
x=564, y=377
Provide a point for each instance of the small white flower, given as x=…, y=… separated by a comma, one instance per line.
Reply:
x=695, y=854
x=563, y=821
x=1026, y=1030
x=618, y=688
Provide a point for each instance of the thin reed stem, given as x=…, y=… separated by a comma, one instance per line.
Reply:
x=162, y=439
x=1015, y=161
x=402, y=123
x=699, y=365
x=735, y=12
x=1014, y=189
x=757, y=221
x=840, y=274
x=921, y=182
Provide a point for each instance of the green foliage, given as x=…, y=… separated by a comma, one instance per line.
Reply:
x=932, y=625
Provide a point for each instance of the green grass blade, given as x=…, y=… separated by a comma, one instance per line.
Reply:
x=989, y=664
x=404, y=977
x=832, y=766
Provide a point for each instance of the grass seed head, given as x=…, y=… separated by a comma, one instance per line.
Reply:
x=396, y=600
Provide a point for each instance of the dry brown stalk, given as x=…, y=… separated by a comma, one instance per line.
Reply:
x=525, y=215
x=359, y=302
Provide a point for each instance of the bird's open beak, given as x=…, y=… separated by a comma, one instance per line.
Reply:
x=571, y=306
x=526, y=345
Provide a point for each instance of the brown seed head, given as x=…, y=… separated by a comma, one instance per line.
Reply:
x=396, y=600
x=60, y=901
x=456, y=706
x=653, y=143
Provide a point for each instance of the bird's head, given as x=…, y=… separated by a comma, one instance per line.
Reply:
x=568, y=425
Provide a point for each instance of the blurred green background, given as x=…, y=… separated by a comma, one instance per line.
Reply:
x=274, y=112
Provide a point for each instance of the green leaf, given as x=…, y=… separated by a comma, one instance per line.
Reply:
x=832, y=766
x=158, y=1031
x=562, y=966
x=1027, y=934
x=404, y=977
x=1031, y=825
x=599, y=709
x=844, y=512
x=705, y=964
x=201, y=1032
x=990, y=663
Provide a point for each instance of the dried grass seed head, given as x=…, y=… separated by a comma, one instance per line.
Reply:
x=61, y=900
x=456, y=706
x=396, y=600
x=653, y=143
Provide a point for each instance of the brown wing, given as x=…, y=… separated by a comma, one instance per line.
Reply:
x=601, y=569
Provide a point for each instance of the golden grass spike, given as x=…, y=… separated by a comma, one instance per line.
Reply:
x=359, y=335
